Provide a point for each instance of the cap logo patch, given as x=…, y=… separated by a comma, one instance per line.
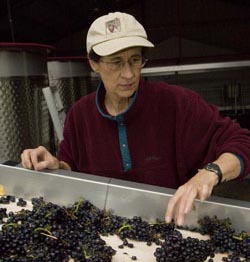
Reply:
x=113, y=26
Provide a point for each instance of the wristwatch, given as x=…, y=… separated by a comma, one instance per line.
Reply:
x=214, y=168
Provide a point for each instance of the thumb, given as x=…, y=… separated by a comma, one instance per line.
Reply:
x=46, y=164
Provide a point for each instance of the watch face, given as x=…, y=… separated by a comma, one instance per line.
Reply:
x=214, y=168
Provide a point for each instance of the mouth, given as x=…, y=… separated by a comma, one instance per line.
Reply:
x=127, y=86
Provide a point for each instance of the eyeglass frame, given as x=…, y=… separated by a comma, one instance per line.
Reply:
x=121, y=62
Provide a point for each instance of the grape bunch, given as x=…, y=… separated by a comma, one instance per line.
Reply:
x=50, y=232
x=53, y=233
x=136, y=229
x=56, y=233
x=225, y=239
x=175, y=248
x=7, y=199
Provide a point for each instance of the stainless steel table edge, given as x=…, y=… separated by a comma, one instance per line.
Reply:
x=58, y=186
x=150, y=202
x=125, y=198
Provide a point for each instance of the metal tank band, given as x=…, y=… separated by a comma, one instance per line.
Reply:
x=71, y=77
x=24, y=118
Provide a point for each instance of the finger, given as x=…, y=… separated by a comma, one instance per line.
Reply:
x=185, y=205
x=205, y=192
x=170, y=211
x=171, y=206
x=189, y=203
x=34, y=158
x=25, y=159
x=41, y=150
x=179, y=214
x=42, y=153
x=42, y=165
x=51, y=163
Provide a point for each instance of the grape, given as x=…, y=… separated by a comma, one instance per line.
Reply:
x=175, y=248
x=224, y=239
x=3, y=213
x=57, y=233
x=53, y=233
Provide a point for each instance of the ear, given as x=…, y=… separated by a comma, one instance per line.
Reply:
x=94, y=65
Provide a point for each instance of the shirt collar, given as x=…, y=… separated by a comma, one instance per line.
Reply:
x=99, y=99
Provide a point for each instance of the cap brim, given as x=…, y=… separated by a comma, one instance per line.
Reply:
x=115, y=45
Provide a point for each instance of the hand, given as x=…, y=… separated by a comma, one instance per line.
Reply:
x=200, y=186
x=39, y=158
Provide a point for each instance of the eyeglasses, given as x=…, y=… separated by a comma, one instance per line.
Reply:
x=116, y=65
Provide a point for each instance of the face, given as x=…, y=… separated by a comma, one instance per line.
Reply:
x=120, y=82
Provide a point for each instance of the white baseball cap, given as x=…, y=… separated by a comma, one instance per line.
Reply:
x=111, y=33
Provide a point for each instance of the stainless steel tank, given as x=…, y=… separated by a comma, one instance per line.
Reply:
x=24, y=118
x=71, y=77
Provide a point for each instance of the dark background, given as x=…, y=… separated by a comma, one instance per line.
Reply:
x=220, y=28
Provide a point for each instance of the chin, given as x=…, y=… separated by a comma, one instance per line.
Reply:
x=127, y=93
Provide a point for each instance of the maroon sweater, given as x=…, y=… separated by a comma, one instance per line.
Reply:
x=170, y=132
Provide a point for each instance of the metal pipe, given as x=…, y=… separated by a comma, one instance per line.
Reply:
x=10, y=21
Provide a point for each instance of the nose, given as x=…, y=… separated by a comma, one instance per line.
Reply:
x=127, y=70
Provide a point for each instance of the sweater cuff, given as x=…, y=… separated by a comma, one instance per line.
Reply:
x=241, y=164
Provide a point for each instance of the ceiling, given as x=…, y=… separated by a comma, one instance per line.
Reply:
x=180, y=29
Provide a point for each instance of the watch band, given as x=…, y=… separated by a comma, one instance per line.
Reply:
x=216, y=169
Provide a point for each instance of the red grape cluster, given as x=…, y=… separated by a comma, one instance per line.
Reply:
x=53, y=233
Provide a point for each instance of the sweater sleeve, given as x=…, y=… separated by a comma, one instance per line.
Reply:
x=205, y=135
